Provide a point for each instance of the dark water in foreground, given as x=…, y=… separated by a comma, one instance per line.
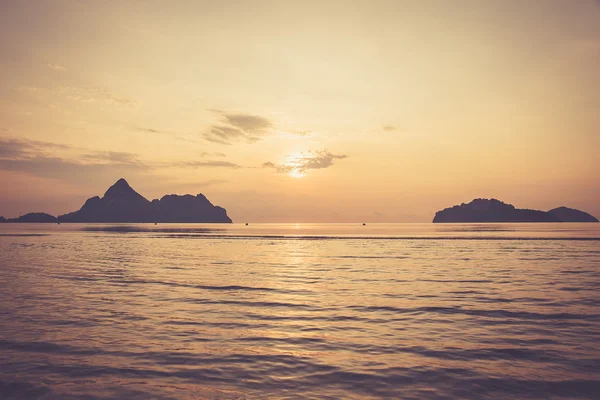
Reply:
x=411, y=311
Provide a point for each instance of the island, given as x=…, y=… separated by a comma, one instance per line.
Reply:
x=121, y=203
x=493, y=210
x=34, y=217
x=566, y=214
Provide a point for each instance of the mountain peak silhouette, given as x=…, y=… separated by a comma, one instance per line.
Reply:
x=123, y=192
x=121, y=203
x=121, y=184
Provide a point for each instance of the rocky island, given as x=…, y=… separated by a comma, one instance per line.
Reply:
x=121, y=203
x=492, y=210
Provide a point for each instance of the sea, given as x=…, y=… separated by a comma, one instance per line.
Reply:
x=300, y=311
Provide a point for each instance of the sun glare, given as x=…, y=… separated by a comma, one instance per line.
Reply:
x=296, y=173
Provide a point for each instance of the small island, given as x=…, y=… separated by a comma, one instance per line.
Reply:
x=35, y=217
x=566, y=214
x=492, y=210
x=121, y=203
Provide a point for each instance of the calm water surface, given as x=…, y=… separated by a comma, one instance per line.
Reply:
x=327, y=311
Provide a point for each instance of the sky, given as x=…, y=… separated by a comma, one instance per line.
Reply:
x=301, y=111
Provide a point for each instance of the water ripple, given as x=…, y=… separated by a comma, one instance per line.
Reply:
x=137, y=312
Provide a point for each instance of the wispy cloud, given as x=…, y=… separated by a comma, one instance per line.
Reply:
x=38, y=158
x=212, y=182
x=299, y=133
x=57, y=67
x=149, y=130
x=112, y=156
x=389, y=128
x=69, y=170
x=211, y=154
x=83, y=94
x=154, y=131
x=30, y=90
x=88, y=94
x=306, y=161
x=59, y=161
x=252, y=124
x=226, y=135
x=240, y=127
x=199, y=164
x=13, y=148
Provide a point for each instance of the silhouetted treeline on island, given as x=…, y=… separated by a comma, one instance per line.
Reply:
x=121, y=203
x=492, y=210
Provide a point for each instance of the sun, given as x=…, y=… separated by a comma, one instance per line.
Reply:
x=296, y=173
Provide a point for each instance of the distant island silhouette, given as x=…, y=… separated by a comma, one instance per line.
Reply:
x=566, y=214
x=121, y=203
x=492, y=210
x=31, y=217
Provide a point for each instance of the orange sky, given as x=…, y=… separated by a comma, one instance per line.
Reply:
x=301, y=110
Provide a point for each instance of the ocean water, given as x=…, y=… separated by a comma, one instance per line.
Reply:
x=286, y=311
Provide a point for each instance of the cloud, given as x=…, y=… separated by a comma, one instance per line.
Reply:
x=198, y=164
x=83, y=94
x=57, y=67
x=44, y=159
x=162, y=132
x=38, y=158
x=68, y=170
x=299, y=133
x=213, y=154
x=12, y=148
x=225, y=135
x=389, y=128
x=240, y=127
x=252, y=124
x=23, y=148
x=235, y=127
x=88, y=94
x=212, y=182
x=30, y=90
x=112, y=156
x=148, y=130
x=306, y=161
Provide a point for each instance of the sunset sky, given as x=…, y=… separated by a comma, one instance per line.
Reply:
x=381, y=111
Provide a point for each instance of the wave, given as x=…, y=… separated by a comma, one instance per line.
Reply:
x=268, y=375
